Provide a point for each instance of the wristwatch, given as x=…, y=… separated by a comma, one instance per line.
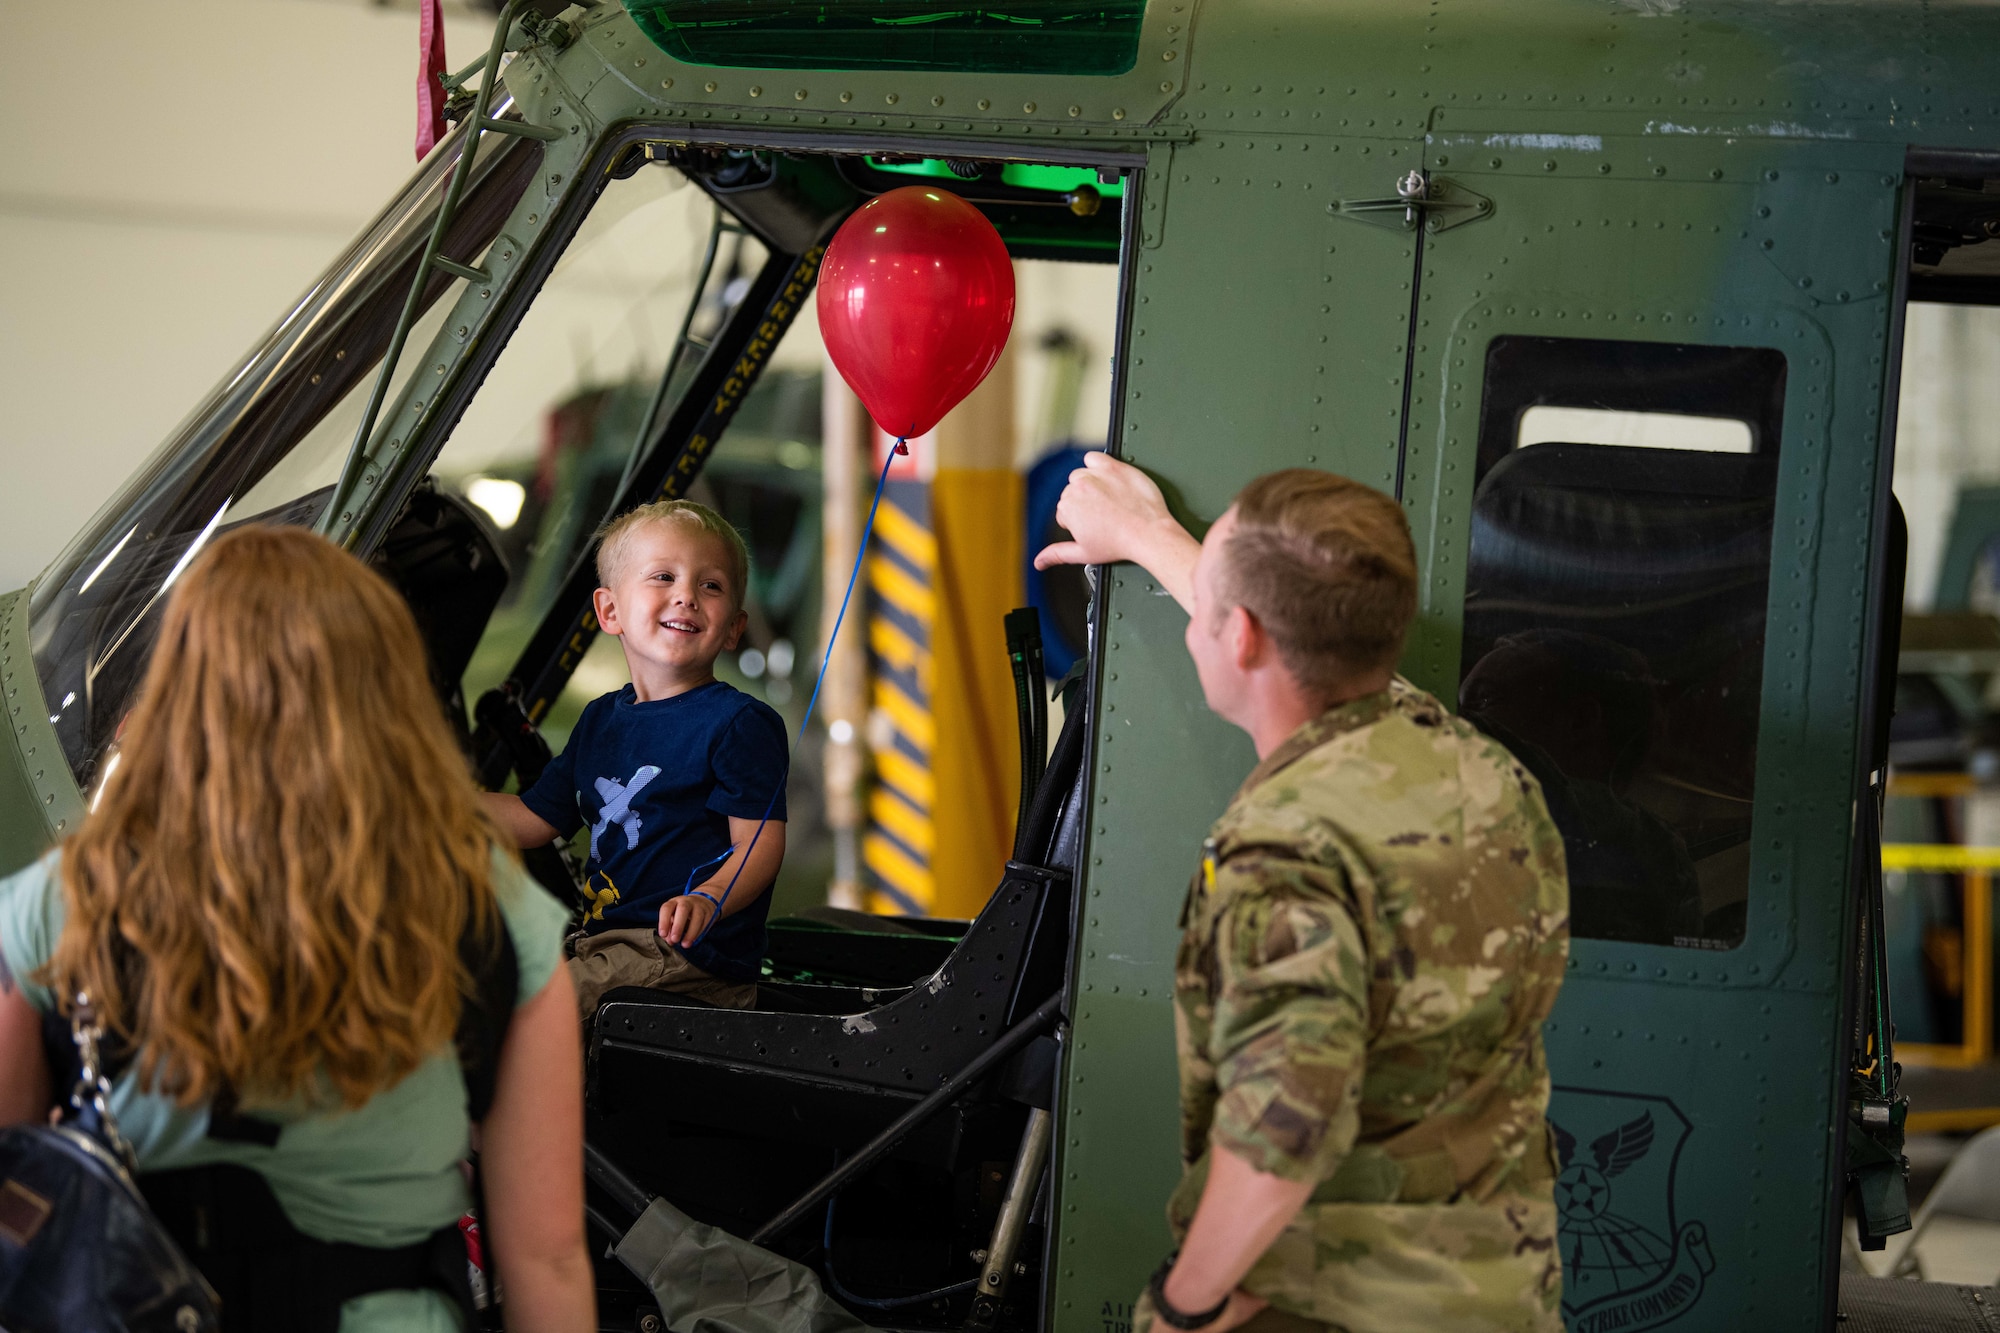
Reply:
x=1164, y=1308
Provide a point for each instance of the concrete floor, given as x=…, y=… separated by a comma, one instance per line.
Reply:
x=1954, y=1249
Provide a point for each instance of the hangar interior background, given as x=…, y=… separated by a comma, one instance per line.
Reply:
x=177, y=176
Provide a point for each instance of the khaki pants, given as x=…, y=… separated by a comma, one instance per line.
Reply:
x=639, y=957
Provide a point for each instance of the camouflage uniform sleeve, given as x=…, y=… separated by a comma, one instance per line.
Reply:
x=1289, y=1039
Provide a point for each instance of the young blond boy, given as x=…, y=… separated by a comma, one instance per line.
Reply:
x=671, y=773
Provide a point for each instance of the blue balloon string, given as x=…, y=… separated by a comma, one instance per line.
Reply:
x=867, y=528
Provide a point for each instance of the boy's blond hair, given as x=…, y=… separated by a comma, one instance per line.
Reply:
x=615, y=536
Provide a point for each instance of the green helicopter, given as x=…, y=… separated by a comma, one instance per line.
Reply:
x=1611, y=295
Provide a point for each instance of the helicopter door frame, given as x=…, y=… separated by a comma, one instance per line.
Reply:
x=1873, y=1004
x=561, y=651
x=1870, y=1078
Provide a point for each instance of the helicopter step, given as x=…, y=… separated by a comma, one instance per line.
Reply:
x=1890, y=1305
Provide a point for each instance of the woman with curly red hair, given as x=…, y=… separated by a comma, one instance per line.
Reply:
x=272, y=906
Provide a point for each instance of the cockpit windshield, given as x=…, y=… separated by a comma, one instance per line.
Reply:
x=265, y=446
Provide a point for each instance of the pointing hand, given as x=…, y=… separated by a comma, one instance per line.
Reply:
x=1115, y=512
x=1107, y=507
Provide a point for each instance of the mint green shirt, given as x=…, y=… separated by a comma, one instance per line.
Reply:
x=385, y=1174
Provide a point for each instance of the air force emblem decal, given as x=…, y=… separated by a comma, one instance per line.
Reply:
x=1629, y=1262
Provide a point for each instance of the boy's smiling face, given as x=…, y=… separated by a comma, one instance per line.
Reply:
x=674, y=605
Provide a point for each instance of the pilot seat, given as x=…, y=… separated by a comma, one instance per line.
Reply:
x=732, y=1115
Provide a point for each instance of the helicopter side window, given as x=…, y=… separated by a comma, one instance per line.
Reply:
x=1614, y=624
x=267, y=446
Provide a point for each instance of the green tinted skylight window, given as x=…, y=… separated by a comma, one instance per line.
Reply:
x=1028, y=176
x=1005, y=37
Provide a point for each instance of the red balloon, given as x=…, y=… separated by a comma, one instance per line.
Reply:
x=916, y=296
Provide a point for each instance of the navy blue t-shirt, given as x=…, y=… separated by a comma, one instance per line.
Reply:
x=657, y=783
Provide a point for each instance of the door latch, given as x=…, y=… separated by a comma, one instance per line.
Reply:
x=1434, y=202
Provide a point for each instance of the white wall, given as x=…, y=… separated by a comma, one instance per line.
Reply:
x=1947, y=427
x=177, y=174
x=1079, y=298
x=173, y=175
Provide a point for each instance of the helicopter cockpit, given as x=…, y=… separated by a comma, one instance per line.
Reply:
x=861, y=1017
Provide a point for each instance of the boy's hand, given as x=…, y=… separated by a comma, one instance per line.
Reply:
x=683, y=919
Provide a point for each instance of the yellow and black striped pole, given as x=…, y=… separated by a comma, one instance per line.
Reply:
x=896, y=850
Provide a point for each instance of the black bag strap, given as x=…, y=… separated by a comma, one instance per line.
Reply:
x=484, y=1018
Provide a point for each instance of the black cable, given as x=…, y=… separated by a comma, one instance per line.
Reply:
x=1023, y=626
x=1037, y=681
x=1024, y=719
x=880, y=1302
x=1033, y=849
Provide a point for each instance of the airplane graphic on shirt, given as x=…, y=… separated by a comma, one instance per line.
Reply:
x=617, y=808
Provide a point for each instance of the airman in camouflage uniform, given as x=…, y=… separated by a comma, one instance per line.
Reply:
x=1375, y=936
x=1376, y=933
